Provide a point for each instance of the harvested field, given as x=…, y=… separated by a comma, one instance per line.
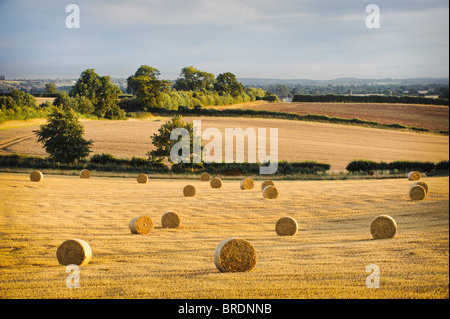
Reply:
x=432, y=117
x=297, y=141
x=326, y=259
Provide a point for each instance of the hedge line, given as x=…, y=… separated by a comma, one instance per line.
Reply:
x=369, y=99
x=402, y=166
x=284, y=168
x=102, y=162
x=109, y=163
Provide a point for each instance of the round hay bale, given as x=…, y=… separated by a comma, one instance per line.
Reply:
x=141, y=225
x=85, y=174
x=205, y=177
x=74, y=251
x=417, y=192
x=270, y=192
x=36, y=176
x=247, y=183
x=142, y=179
x=423, y=184
x=286, y=226
x=235, y=255
x=267, y=183
x=189, y=191
x=170, y=220
x=383, y=227
x=216, y=182
x=414, y=176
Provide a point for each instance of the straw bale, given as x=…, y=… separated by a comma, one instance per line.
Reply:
x=267, y=183
x=216, y=182
x=414, y=176
x=247, y=183
x=85, y=174
x=423, y=184
x=417, y=192
x=235, y=255
x=270, y=192
x=286, y=226
x=74, y=251
x=383, y=227
x=189, y=191
x=142, y=178
x=36, y=176
x=141, y=225
x=205, y=177
x=170, y=220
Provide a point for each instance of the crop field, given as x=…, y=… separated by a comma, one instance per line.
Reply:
x=432, y=117
x=327, y=258
x=334, y=144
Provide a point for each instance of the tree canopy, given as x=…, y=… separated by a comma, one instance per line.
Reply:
x=227, y=83
x=100, y=92
x=192, y=79
x=147, y=87
x=63, y=136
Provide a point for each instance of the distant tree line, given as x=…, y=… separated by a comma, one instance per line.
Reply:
x=368, y=99
x=288, y=91
x=193, y=88
x=20, y=105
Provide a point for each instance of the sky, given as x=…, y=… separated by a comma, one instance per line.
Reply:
x=283, y=39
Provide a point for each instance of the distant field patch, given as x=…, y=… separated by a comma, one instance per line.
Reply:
x=432, y=117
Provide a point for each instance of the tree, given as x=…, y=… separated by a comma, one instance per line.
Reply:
x=62, y=137
x=50, y=89
x=282, y=91
x=147, y=87
x=101, y=93
x=228, y=84
x=145, y=71
x=65, y=102
x=192, y=79
x=164, y=144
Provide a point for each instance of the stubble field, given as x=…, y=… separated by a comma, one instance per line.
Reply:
x=334, y=144
x=326, y=259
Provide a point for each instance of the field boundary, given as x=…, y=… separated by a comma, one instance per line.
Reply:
x=108, y=166
x=211, y=112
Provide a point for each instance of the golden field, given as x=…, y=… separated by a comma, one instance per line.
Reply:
x=326, y=259
x=334, y=144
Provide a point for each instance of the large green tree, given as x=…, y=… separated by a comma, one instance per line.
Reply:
x=146, y=71
x=101, y=93
x=192, y=79
x=50, y=89
x=147, y=87
x=164, y=144
x=228, y=84
x=63, y=137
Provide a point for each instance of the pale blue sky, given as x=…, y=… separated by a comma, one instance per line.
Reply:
x=309, y=39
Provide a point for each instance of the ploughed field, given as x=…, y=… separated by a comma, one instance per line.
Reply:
x=297, y=141
x=432, y=117
x=327, y=258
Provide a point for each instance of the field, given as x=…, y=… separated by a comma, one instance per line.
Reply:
x=326, y=259
x=298, y=141
x=432, y=117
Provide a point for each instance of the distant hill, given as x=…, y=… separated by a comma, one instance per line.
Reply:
x=342, y=81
